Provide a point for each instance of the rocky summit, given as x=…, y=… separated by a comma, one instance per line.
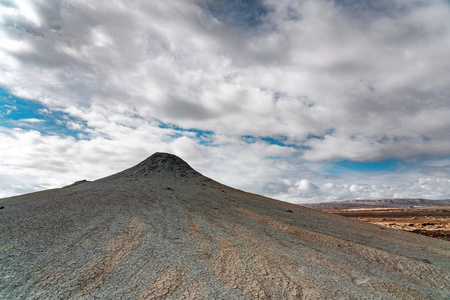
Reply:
x=161, y=164
x=161, y=230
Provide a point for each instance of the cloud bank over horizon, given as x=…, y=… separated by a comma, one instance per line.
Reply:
x=304, y=101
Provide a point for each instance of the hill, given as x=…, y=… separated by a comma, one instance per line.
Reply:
x=161, y=230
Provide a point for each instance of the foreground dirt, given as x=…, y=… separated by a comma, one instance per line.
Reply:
x=160, y=230
x=430, y=221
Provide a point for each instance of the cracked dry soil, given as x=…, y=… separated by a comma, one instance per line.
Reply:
x=160, y=230
x=431, y=221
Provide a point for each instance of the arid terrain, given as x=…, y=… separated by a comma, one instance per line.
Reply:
x=423, y=216
x=161, y=230
x=432, y=221
x=384, y=203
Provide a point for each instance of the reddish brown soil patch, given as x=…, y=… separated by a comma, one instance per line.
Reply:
x=432, y=221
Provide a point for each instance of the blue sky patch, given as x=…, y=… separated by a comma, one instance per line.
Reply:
x=282, y=141
x=203, y=137
x=30, y=115
x=382, y=166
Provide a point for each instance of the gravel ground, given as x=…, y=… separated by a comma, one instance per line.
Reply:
x=160, y=230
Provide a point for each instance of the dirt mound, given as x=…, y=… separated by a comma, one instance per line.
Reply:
x=160, y=230
x=160, y=164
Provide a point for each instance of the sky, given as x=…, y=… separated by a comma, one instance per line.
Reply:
x=299, y=100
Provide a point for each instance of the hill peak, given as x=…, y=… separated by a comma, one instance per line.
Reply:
x=162, y=164
x=149, y=233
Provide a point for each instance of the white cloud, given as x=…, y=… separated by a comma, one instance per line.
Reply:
x=74, y=125
x=31, y=120
x=340, y=80
x=430, y=188
x=439, y=171
x=27, y=11
x=10, y=109
x=33, y=161
x=328, y=70
x=44, y=111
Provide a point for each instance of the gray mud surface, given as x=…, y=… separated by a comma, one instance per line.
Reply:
x=160, y=230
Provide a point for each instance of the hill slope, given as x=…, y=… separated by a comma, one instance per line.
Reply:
x=162, y=230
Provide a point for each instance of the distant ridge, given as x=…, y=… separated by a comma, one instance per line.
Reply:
x=384, y=203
